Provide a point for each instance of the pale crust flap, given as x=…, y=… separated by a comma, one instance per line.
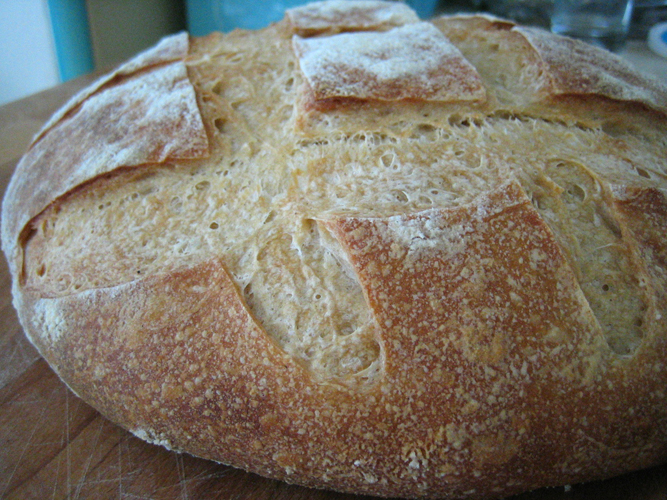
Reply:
x=576, y=68
x=336, y=16
x=152, y=117
x=410, y=62
x=210, y=380
x=169, y=49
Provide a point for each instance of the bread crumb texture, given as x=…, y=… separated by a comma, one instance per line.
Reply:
x=359, y=251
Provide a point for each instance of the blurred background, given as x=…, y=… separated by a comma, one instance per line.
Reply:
x=46, y=42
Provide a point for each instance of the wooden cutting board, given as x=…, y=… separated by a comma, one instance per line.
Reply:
x=54, y=446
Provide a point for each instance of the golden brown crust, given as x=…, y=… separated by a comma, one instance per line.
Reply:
x=461, y=299
x=499, y=388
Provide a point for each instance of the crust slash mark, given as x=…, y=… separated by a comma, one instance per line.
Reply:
x=293, y=295
x=603, y=259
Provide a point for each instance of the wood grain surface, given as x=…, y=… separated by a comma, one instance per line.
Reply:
x=55, y=446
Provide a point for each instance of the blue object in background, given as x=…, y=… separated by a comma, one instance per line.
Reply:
x=657, y=39
x=71, y=35
x=425, y=9
x=205, y=16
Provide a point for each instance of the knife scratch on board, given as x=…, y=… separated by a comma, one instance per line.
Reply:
x=182, y=477
x=16, y=359
x=68, y=452
x=120, y=468
x=94, y=446
x=45, y=405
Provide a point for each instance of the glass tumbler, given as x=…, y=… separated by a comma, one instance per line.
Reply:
x=601, y=22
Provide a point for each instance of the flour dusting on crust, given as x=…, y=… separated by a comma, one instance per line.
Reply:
x=578, y=68
x=411, y=62
x=339, y=15
x=171, y=48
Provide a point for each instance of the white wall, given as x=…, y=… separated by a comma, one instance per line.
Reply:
x=28, y=61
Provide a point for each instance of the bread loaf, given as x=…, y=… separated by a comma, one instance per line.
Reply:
x=360, y=251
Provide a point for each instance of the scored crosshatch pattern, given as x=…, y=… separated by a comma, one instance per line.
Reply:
x=306, y=198
x=328, y=177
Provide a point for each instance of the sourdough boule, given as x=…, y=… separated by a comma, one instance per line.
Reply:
x=360, y=251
